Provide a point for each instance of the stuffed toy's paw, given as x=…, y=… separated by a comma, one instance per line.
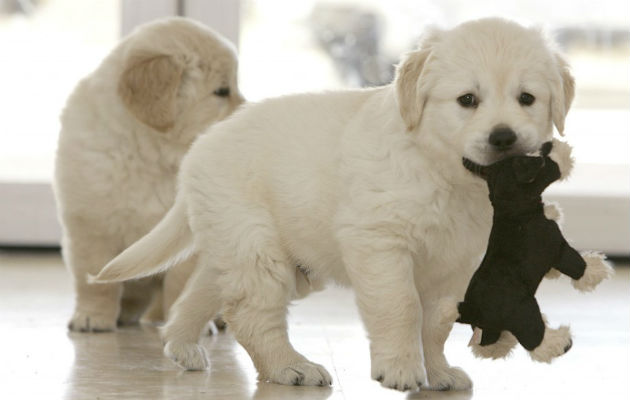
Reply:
x=502, y=348
x=556, y=342
x=597, y=269
x=553, y=212
x=561, y=154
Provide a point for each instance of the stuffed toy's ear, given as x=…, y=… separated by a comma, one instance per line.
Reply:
x=526, y=168
x=148, y=87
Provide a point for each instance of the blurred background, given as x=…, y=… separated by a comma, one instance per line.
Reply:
x=309, y=45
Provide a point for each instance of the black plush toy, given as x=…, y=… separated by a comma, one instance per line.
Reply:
x=524, y=246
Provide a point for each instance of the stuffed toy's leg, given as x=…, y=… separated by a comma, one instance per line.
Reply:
x=526, y=323
x=554, y=213
x=438, y=318
x=555, y=343
x=496, y=344
x=531, y=329
x=597, y=269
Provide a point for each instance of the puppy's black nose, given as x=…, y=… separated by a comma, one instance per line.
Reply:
x=502, y=138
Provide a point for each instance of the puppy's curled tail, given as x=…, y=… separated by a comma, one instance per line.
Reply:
x=169, y=241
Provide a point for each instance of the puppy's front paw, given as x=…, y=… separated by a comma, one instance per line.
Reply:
x=402, y=373
x=191, y=356
x=449, y=378
x=83, y=321
x=303, y=373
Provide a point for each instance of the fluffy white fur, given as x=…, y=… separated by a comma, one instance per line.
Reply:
x=555, y=343
x=362, y=187
x=124, y=131
x=501, y=349
x=554, y=212
x=597, y=269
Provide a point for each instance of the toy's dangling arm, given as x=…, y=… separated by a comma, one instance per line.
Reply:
x=570, y=262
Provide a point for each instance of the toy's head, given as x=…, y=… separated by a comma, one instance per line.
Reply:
x=516, y=178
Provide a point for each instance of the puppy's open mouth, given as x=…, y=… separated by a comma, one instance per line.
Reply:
x=477, y=169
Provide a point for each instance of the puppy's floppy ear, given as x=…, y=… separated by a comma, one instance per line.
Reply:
x=148, y=87
x=409, y=92
x=563, y=91
x=527, y=168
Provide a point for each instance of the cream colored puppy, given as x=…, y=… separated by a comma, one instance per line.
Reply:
x=125, y=129
x=362, y=187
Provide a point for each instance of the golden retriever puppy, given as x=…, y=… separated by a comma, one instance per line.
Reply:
x=362, y=187
x=125, y=129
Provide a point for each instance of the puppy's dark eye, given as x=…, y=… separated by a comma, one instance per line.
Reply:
x=222, y=92
x=526, y=99
x=468, y=100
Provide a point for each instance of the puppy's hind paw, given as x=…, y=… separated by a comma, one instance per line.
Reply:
x=190, y=356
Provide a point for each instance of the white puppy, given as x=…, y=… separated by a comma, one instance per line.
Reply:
x=363, y=187
x=124, y=131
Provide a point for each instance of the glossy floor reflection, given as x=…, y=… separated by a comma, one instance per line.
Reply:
x=41, y=360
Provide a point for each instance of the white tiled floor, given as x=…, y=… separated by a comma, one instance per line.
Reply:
x=41, y=360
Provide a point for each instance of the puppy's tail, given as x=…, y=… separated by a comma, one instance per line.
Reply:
x=166, y=244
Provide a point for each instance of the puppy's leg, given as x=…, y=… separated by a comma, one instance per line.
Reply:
x=256, y=313
x=390, y=308
x=97, y=305
x=437, y=322
x=174, y=282
x=597, y=269
x=200, y=301
x=260, y=327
